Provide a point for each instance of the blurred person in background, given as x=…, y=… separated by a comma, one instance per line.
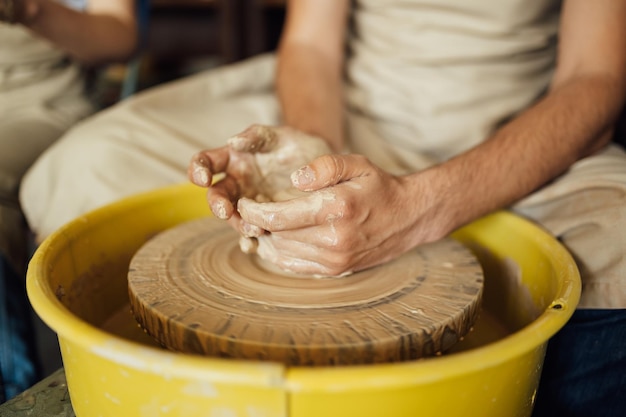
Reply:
x=45, y=46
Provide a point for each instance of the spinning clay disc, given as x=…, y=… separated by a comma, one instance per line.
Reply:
x=194, y=291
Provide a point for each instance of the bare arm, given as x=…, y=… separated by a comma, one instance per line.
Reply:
x=105, y=32
x=574, y=119
x=310, y=60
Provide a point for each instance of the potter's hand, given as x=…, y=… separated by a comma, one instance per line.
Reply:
x=257, y=164
x=353, y=216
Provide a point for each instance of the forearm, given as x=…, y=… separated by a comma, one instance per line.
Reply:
x=94, y=37
x=572, y=121
x=310, y=93
x=310, y=64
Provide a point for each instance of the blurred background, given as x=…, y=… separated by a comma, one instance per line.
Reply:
x=186, y=36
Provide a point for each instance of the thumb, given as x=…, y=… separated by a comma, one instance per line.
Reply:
x=329, y=170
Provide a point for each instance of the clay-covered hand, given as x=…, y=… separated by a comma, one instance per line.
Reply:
x=256, y=164
x=354, y=216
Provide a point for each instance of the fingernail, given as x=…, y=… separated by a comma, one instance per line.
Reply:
x=200, y=175
x=302, y=177
x=248, y=245
x=219, y=210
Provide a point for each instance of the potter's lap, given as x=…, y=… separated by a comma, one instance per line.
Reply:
x=586, y=210
x=135, y=146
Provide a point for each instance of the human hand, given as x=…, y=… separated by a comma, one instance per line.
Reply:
x=257, y=165
x=352, y=216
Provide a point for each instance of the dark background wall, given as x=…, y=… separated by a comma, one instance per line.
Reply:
x=186, y=36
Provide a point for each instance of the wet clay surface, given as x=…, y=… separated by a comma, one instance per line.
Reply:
x=193, y=290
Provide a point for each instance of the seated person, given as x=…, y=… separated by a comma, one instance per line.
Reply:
x=44, y=47
x=435, y=112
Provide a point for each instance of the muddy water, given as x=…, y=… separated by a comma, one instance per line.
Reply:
x=486, y=330
x=123, y=324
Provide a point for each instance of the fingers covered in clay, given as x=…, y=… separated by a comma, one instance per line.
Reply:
x=335, y=226
x=256, y=169
x=206, y=164
x=222, y=197
x=256, y=138
x=302, y=258
x=261, y=160
x=309, y=210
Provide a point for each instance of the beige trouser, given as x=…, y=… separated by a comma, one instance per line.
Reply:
x=40, y=98
x=146, y=142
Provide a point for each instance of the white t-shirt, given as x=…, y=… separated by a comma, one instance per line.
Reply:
x=438, y=76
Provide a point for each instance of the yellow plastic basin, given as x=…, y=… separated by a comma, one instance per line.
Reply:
x=77, y=285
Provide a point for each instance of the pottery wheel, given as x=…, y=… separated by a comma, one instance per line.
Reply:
x=193, y=290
